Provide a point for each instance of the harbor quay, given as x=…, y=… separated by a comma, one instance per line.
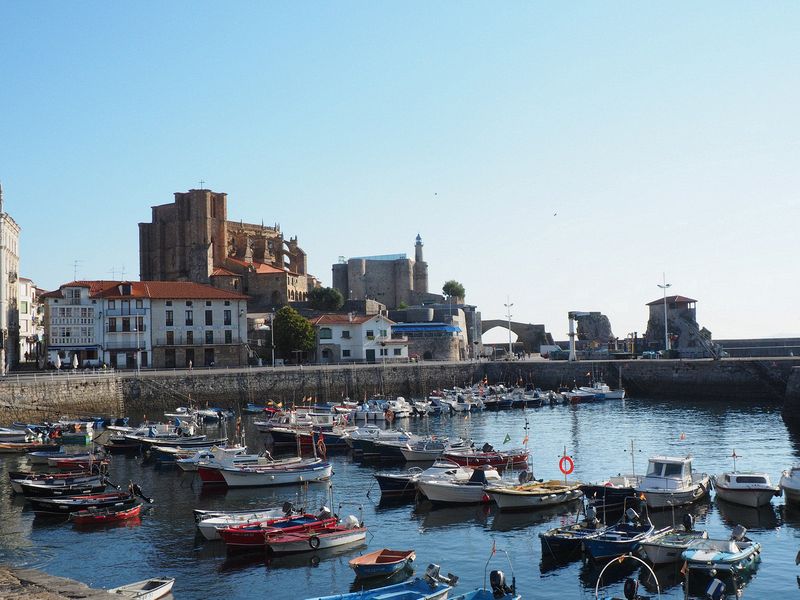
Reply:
x=47, y=395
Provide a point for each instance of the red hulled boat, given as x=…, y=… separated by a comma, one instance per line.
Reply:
x=101, y=516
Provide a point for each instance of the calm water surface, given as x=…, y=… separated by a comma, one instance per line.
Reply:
x=597, y=436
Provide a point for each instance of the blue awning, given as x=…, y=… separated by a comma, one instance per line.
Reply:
x=423, y=327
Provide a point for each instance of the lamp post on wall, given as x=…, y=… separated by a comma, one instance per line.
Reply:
x=265, y=327
x=664, y=287
x=508, y=306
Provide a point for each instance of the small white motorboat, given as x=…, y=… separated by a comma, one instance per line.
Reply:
x=670, y=481
x=533, y=494
x=148, y=589
x=667, y=546
x=790, y=484
x=737, y=554
x=454, y=489
x=209, y=527
x=746, y=488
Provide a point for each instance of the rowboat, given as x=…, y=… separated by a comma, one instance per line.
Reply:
x=209, y=526
x=102, y=516
x=149, y=589
x=64, y=506
x=382, y=563
x=60, y=488
x=431, y=586
x=73, y=479
x=668, y=546
x=40, y=456
x=305, y=470
x=566, y=541
x=619, y=539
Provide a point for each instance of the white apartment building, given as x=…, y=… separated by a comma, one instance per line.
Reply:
x=31, y=329
x=357, y=338
x=9, y=274
x=140, y=324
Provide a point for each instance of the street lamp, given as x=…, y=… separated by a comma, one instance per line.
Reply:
x=265, y=327
x=664, y=287
x=508, y=306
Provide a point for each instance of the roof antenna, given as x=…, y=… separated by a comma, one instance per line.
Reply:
x=75, y=264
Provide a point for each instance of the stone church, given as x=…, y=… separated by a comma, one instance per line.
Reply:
x=192, y=240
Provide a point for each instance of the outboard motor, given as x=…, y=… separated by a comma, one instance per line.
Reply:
x=631, y=589
x=288, y=508
x=497, y=580
x=715, y=590
x=487, y=447
x=324, y=513
x=591, y=516
x=525, y=477
x=738, y=533
x=688, y=522
x=632, y=515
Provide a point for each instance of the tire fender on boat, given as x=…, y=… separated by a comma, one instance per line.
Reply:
x=313, y=541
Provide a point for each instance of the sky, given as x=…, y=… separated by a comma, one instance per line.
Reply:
x=557, y=156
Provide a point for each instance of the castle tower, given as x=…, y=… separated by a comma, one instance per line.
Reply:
x=420, y=269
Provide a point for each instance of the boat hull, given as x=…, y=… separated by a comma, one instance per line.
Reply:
x=296, y=543
x=440, y=492
x=418, y=589
x=518, y=501
x=269, y=477
x=752, y=498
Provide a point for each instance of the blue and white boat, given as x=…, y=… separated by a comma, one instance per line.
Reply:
x=382, y=563
x=431, y=586
x=737, y=555
x=620, y=538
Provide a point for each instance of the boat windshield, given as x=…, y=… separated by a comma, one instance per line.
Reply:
x=672, y=469
x=750, y=479
x=655, y=468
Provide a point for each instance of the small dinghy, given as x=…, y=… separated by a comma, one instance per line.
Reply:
x=621, y=538
x=102, y=516
x=735, y=555
x=565, y=542
x=498, y=588
x=149, y=589
x=667, y=547
x=382, y=563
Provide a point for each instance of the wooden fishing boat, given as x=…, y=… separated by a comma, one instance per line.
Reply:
x=533, y=494
x=350, y=531
x=254, y=535
x=305, y=470
x=23, y=447
x=487, y=456
x=382, y=563
x=102, y=516
x=61, y=488
x=149, y=589
x=210, y=525
x=80, y=478
x=64, y=506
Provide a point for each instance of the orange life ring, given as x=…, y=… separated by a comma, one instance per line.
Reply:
x=566, y=465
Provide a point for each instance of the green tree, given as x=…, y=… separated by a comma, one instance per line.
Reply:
x=292, y=332
x=453, y=289
x=325, y=298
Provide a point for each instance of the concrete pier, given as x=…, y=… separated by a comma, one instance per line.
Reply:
x=48, y=396
x=30, y=584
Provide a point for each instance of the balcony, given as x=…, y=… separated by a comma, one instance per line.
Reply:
x=125, y=312
x=181, y=341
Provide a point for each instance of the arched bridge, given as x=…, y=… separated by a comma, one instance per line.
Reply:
x=529, y=335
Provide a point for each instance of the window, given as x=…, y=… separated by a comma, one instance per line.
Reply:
x=143, y=359
x=345, y=353
x=370, y=334
x=208, y=355
x=139, y=304
x=169, y=302
x=112, y=325
x=208, y=302
x=209, y=318
x=209, y=337
x=188, y=303
x=384, y=352
x=228, y=336
x=169, y=358
x=190, y=337
x=126, y=324
x=227, y=302
x=226, y=317
x=139, y=323
x=383, y=333
x=169, y=319
x=189, y=317
x=346, y=334
x=112, y=304
x=325, y=333
x=170, y=338
x=23, y=307
x=189, y=357
x=398, y=352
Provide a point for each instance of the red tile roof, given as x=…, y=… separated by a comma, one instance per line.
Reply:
x=339, y=319
x=157, y=290
x=220, y=272
x=262, y=268
x=672, y=300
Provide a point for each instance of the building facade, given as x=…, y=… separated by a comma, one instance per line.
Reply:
x=192, y=240
x=358, y=338
x=31, y=323
x=393, y=279
x=9, y=276
x=684, y=337
x=143, y=324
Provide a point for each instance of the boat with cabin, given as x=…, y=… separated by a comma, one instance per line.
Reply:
x=670, y=481
x=790, y=484
x=752, y=489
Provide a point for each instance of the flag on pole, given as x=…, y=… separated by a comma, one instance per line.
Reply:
x=508, y=439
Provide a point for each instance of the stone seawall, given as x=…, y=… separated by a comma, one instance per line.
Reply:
x=47, y=396
x=791, y=405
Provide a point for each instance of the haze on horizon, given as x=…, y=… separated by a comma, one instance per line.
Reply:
x=564, y=156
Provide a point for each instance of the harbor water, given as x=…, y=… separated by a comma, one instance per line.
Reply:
x=599, y=436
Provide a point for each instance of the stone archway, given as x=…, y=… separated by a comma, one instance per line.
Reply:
x=529, y=335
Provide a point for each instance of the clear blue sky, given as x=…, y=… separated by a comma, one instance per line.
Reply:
x=562, y=154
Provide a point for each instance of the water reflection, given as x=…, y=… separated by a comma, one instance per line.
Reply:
x=754, y=519
x=435, y=517
x=512, y=520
